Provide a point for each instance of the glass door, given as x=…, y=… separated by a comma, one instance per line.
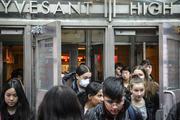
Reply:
x=134, y=44
x=83, y=46
x=48, y=72
x=169, y=64
x=11, y=55
x=97, y=62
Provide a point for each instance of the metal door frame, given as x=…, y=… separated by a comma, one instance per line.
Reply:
x=1, y=66
x=55, y=34
x=27, y=61
x=163, y=70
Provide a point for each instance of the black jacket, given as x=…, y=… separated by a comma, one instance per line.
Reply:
x=71, y=76
x=99, y=113
x=152, y=106
x=150, y=109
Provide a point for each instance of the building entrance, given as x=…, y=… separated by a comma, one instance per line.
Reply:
x=60, y=50
x=83, y=46
x=11, y=54
x=132, y=45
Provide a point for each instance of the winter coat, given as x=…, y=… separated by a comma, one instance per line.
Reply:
x=7, y=116
x=71, y=76
x=150, y=109
x=153, y=104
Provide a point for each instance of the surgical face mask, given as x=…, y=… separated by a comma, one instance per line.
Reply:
x=84, y=82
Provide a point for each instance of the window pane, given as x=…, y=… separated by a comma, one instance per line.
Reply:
x=173, y=64
x=45, y=64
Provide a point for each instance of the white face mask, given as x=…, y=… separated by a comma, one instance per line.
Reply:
x=84, y=82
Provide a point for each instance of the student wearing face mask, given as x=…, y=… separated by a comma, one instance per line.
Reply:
x=80, y=79
x=83, y=76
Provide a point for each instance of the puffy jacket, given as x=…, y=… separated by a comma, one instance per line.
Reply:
x=71, y=76
x=99, y=113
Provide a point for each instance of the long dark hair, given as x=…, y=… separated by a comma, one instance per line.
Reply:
x=60, y=103
x=22, y=106
x=82, y=69
x=92, y=89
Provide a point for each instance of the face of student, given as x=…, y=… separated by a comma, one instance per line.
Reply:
x=84, y=79
x=113, y=106
x=118, y=71
x=148, y=69
x=139, y=73
x=125, y=75
x=97, y=99
x=11, y=97
x=138, y=91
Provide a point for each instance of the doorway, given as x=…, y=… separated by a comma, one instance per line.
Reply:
x=132, y=45
x=83, y=46
x=11, y=53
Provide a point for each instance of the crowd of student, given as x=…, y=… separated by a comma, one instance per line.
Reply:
x=129, y=95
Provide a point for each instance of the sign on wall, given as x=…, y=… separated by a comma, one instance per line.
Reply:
x=110, y=8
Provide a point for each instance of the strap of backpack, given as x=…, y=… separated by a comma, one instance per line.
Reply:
x=131, y=113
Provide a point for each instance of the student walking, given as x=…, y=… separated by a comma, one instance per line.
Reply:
x=115, y=105
x=137, y=89
x=80, y=79
x=92, y=96
x=13, y=102
x=60, y=103
x=151, y=87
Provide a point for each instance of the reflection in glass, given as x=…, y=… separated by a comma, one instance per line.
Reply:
x=45, y=64
x=173, y=64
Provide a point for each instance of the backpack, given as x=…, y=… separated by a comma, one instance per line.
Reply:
x=131, y=113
